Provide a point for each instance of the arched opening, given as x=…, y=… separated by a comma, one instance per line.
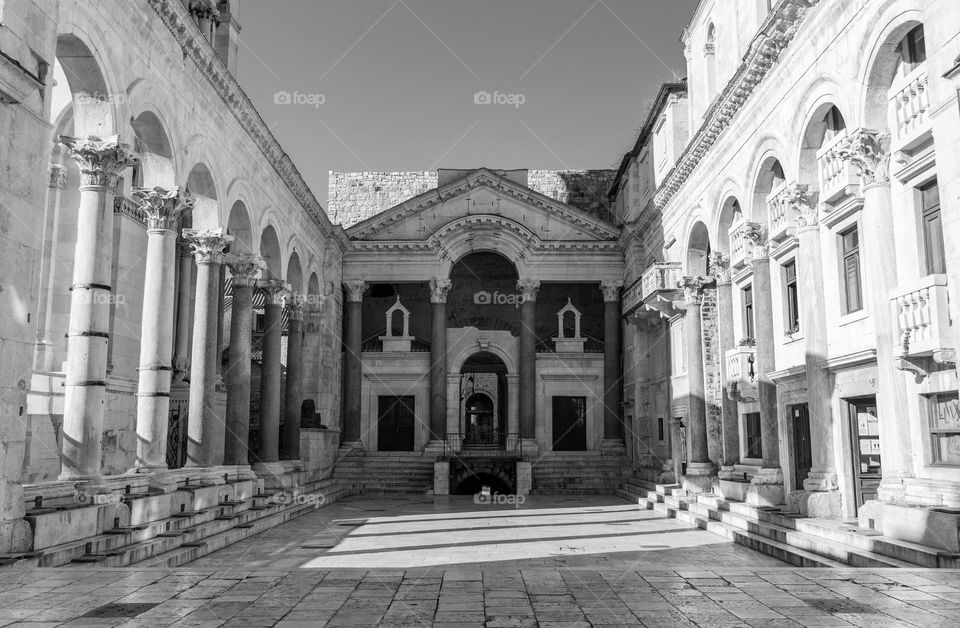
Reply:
x=294, y=273
x=731, y=215
x=156, y=155
x=238, y=225
x=270, y=252
x=206, y=209
x=770, y=181
x=484, y=293
x=825, y=128
x=79, y=82
x=698, y=250
x=483, y=401
x=894, y=98
x=396, y=323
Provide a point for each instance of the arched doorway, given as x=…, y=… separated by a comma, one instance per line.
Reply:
x=483, y=402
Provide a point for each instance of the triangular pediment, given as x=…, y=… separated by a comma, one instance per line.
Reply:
x=483, y=192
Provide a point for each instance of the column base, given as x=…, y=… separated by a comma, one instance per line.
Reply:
x=698, y=478
x=161, y=479
x=273, y=475
x=729, y=472
x=766, y=488
x=892, y=491
x=434, y=448
x=821, y=481
x=530, y=447
x=818, y=504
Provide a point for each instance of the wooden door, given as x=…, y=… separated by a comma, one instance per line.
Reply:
x=865, y=439
x=802, y=454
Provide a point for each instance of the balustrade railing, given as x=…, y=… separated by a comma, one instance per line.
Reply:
x=838, y=178
x=738, y=245
x=909, y=108
x=781, y=215
x=659, y=277
x=483, y=443
x=923, y=317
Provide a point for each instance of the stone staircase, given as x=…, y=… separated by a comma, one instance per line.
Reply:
x=800, y=541
x=167, y=529
x=560, y=473
x=360, y=472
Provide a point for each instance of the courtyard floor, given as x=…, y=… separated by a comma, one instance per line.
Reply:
x=410, y=561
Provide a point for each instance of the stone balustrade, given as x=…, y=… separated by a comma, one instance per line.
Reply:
x=659, y=277
x=781, y=215
x=838, y=177
x=909, y=109
x=923, y=317
x=741, y=372
x=739, y=245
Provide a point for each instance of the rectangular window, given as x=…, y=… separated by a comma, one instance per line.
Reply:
x=850, y=269
x=945, y=428
x=754, y=443
x=660, y=429
x=915, y=47
x=792, y=301
x=936, y=261
x=747, y=294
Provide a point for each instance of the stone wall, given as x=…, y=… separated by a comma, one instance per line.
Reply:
x=356, y=196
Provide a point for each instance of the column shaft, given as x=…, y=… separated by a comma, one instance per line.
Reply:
x=294, y=392
x=612, y=376
x=728, y=407
x=766, y=358
x=236, y=448
x=352, y=372
x=696, y=403
x=528, y=368
x=438, y=371
x=181, y=352
x=270, y=384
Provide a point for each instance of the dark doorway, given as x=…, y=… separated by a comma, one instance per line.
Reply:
x=481, y=429
x=865, y=439
x=802, y=454
x=483, y=401
x=569, y=423
x=395, y=427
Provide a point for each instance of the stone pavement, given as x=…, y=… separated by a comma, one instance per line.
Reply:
x=562, y=575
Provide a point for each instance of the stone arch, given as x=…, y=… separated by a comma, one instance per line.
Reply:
x=294, y=273
x=767, y=172
x=878, y=74
x=730, y=212
x=93, y=99
x=458, y=361
x=484, y=233
x=817, y=128
x=469, y=475
x=697, y=250
x=206, y=206
x=238, y=225
x=156, y=167
x=270, y=251
x=313, y=285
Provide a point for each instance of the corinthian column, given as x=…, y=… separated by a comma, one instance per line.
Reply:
x=294, y=392
x=439, y=289
x=730, y=419
x=767, y=484
x=612, y=372
x=163, y=209
x=244, y=269
x=529, y=288
x=869, y=151
x=56, y=181
x=352, y=371
x=699, y=468
x=101, y=162
x=206, y=429
x=181, y=353
x=276, y=293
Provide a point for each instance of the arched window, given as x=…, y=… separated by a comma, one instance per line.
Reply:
x=710, y=59
x=912, y=50
x=834, y=125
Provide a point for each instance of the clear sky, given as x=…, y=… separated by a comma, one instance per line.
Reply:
x=393, y=84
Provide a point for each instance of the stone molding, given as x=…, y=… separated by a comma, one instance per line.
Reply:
x=435, y=247
x=208, y=245
x=718, y=264
x=611, y=290
x=529, y=288
x=439, y=289
x=163, y=207
x=244, y=269
x=869, y=151
x=490, y=180
x=355, y=290
x=764, y=52
x=101, y=160
x=179, y=21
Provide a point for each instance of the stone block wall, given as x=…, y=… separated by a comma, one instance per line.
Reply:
x=356, y=196
x=712, y=382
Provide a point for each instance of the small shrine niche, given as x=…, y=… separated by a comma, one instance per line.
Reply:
x=568, y=322
x=392, y=342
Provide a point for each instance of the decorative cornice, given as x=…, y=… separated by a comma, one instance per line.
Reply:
x=428, y=246
x=101, y=160
x=762, y=55
x=163, y=207
x=178, y=20
x=439, y=289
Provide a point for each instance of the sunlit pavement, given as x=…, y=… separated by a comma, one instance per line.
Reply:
x=408, y=561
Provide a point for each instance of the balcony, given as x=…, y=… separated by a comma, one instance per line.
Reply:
x=923, y=318
x=657, y=289
x=741, y=381
x=739, y=245
x=783, y=222
x=130, y=208
x=909, y=110
x=838, y=178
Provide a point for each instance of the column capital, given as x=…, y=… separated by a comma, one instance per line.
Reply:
x=355, y=290
x=204, y=10
x=208, y=244
x=101, y=160
x=56, y=177
x=693, y=289
x=529, y=288
x=719, y=265
x=439, y=289
x=869, y=151
x=756, y=235
x=163, y=206
x=244, y=268
x=296, y=304
x=277, y=292
x=611, y=290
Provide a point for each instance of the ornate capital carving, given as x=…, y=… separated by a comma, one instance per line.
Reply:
x=245, y=268
x=276, y=292
x=101, y=160
x=355, y=290
x=611, y=290
x=529, y=288
x=204, y=10
x=869, y=151
x=56, y=177
x=719, y=267
x=693, y=288
x=163, y=207
x=208, y=244
x=756, y=235
x=439, y=289
x=296, y=304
